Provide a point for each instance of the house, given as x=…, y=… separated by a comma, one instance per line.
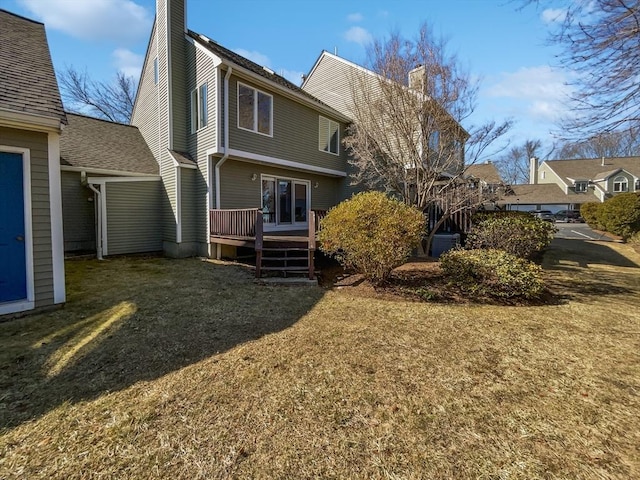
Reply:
x=567, y=184
x=111, y=189
x=31, y=119
x=231, y=139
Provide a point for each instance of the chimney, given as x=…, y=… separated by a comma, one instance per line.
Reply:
x=533, y=171
x=603, y=161
x=416, y=78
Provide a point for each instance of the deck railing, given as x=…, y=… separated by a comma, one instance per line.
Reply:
x=239, y=223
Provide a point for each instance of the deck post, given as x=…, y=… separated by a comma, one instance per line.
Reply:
x=259, y=242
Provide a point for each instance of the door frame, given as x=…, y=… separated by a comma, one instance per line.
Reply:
x=293, y=226
x=29, y=302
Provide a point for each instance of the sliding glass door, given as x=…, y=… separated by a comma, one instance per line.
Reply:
x=285, y=201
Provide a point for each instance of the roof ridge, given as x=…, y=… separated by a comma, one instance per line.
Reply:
x=76, y=114
x=22, y=17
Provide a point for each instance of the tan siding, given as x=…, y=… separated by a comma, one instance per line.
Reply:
x=190, y=212
x=78, y=214
x=237, y=190
x=133, y=217
x=330, y=82
x=178, y=74
x=295, y=132
x=40, y=209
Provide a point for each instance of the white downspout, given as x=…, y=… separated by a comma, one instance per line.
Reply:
x=226, y=134
x=99, y=219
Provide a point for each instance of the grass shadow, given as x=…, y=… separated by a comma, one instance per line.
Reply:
x=129, y=320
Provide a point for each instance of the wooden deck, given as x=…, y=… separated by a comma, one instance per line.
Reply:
x=245, y=228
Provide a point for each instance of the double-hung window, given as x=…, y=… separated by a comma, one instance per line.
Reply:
x=581, y=187
x=199, y=111
x=255, y=110
x=329, y=136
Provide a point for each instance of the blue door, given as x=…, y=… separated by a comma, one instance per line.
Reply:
x=13, y=268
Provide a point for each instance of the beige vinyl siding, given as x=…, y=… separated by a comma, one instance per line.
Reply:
x=179, y=92
x=295, y=132
x=37, y=143
x=237, y=190
x=612, y=178
x=78, y=214
x=330, y=82
x=133, y=217
x=145, y=113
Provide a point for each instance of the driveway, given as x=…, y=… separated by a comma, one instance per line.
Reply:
x=578, y=231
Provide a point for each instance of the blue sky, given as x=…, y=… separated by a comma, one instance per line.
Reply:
x=502, y=46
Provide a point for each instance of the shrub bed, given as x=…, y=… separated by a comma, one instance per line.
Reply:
x=493, y=273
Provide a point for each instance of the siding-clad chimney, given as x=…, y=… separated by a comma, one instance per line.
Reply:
x=416, y=78
x=533, y=171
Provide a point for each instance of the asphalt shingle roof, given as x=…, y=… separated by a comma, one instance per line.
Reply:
x=27, y=81
x=543, y=193
x=484, y=171
x=92, y=143
x=592, y=168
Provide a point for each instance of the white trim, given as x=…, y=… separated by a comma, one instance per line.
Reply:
x=337, y=154
x=103, y=180
x=256, y=91
x=216, y=59
x=29, y=302
x=29, y=121
x=178, y=205
x=285, y=163
x=104, y=171
x=55, y=206
x=103, y=207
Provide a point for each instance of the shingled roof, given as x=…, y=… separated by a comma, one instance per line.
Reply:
x=543, y=193
x=27, y=81
x=99, y=144
x=486, y=172
x=593, y=168
x=253, y=67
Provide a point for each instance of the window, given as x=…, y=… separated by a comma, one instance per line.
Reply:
x=329, y=136
x=620, y=184
x=434, y=141
x=285, y=201
x=581, y=187
x=255, y=110
x=199, y=108
x=155, y=71
x=638, y=185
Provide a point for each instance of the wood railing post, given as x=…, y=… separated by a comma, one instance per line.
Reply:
x=259, y=241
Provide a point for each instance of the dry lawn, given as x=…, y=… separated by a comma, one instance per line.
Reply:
x=178, y=369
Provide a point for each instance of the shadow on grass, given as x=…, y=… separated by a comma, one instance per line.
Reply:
x=132, y=320
x=584, y=253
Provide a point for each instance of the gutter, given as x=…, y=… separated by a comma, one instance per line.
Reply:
x=99, y=220
x=226, y=134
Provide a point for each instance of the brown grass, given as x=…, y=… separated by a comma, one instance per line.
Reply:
x=187, y=369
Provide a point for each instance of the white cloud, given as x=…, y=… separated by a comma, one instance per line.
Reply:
x=121, y=21
x=553, y=15
x=358, y=35
x=539, y=91
x=128, y=62
x=293, y=76
x=254, y=56
x=355, y=17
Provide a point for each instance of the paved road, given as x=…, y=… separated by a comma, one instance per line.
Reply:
x=578, y=231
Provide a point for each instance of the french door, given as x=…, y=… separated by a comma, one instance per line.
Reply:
x=285, y=202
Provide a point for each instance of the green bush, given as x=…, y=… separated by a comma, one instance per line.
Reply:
x=371, y=233
x=493, y=273
x=590, y=211
x=522, y=235
x=620, y=215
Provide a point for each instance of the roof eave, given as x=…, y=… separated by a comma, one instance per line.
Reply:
x=31, y=121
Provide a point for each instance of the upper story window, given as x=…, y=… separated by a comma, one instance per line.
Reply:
x=620, y=184
x=255, y=110
x=199, y=110
x=637, y=184
x=329, y=136
x=543, y=174
x=155, y=71
x=581, y=187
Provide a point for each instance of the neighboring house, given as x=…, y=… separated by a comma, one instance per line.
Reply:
x=485, y=178
x=567, y=184
x=231, y=135
x=31, y=119
x=111, y=189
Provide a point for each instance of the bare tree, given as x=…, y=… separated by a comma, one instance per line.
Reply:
x=109, y=101
x=406, y=136
x=622, y=143
x=600, y=42
x=513, y=165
